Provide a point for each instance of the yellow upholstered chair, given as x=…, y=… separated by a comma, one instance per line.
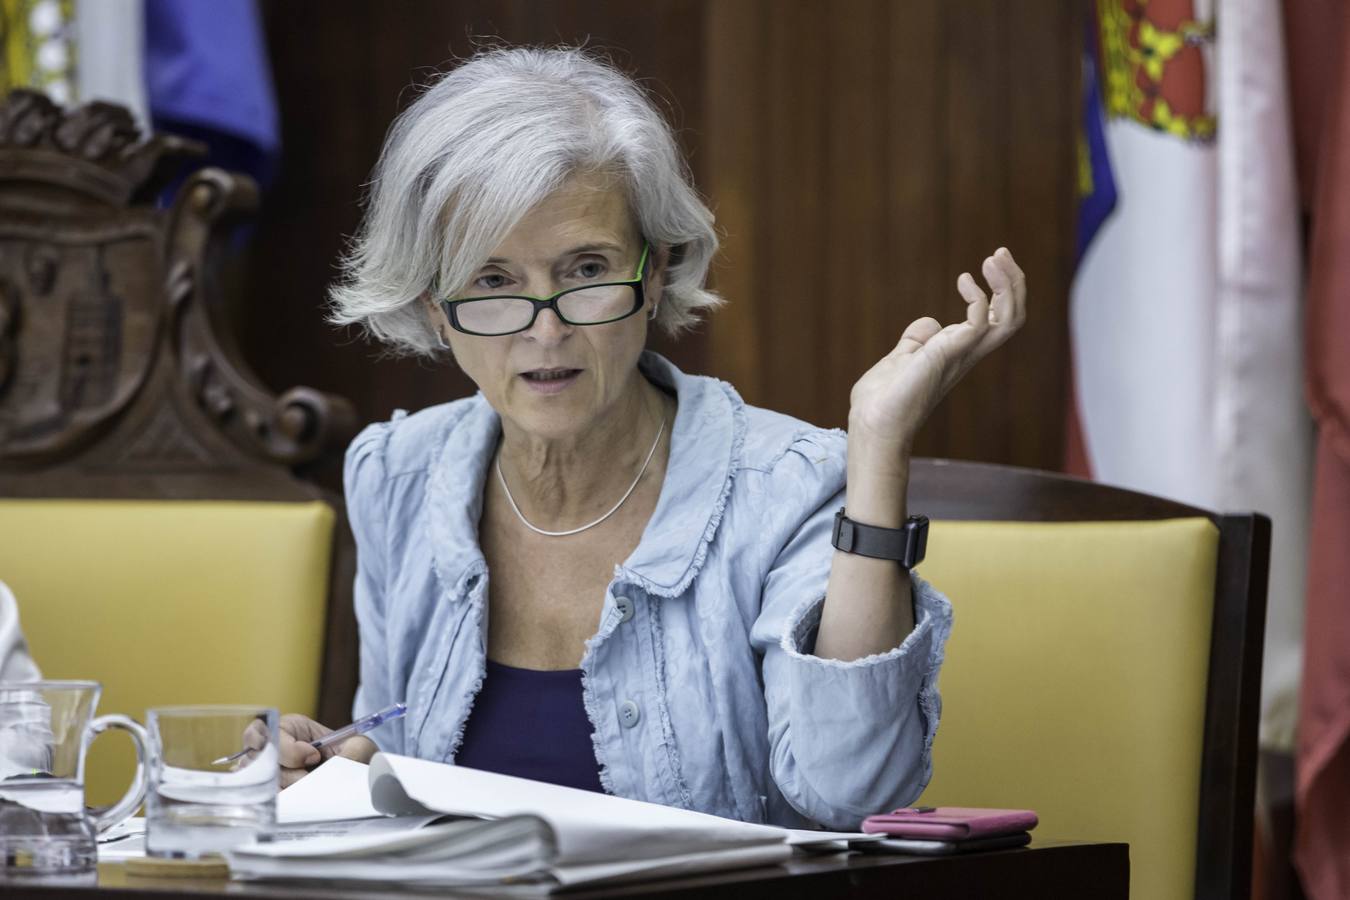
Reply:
x=172, y=602
x=158, y=521
x=1103, y=667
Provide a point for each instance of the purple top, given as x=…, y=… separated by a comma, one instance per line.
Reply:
x=532, y=724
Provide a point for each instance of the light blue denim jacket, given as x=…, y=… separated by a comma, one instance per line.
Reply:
x=699, y=681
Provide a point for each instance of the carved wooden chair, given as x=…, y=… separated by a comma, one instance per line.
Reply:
x=1104, y=666
x=152, y=521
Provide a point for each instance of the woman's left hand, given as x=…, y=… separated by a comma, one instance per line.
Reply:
x=894, y=397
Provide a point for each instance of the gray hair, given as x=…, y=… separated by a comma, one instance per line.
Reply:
x=481, y=147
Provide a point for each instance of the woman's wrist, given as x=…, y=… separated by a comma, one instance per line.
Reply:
x=886, y=446
x=878, y=481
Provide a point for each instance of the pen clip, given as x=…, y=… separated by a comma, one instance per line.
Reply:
x=384, y=715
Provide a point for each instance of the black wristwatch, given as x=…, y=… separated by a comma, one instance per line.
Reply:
x=905, y=545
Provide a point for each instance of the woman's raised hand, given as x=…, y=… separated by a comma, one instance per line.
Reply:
x=892, y=399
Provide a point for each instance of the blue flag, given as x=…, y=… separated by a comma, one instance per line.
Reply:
x=207, y=77
x=1096, y=184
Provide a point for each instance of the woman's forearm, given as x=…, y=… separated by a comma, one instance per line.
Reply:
x=868, y=605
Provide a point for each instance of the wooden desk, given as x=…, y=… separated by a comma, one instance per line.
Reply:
x=1099, y=871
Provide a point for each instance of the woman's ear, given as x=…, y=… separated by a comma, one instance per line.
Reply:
x=435, y=318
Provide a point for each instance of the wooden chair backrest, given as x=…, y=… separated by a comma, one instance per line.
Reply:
x=955, y=490
x=118, y=379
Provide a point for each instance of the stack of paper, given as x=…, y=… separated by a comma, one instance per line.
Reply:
x=464, y=852
x=500, y=830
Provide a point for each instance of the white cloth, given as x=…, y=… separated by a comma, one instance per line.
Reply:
x=1187, y=323
x=110, y=41
x=15, y=663
x=25, y=721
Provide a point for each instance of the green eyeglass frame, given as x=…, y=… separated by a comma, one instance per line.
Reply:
x=452, y=307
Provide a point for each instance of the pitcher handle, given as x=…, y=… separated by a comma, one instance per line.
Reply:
x=135, y=795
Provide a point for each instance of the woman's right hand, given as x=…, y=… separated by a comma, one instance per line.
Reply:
x=297, y=754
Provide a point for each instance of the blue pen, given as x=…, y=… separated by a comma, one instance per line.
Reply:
x=361, y=726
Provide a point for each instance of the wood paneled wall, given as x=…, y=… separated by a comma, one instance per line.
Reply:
x=859, y=155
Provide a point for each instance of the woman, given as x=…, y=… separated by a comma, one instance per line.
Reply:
x=601, y=571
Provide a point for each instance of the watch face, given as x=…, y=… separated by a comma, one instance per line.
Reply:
x=919, y=545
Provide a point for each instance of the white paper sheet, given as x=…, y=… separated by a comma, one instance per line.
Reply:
x=338, y=789
x=452, y=853
x=591, y=827
x=828, y=841
x=668, y=866
x=800, y=836
x=308, y=831
x=600, y=838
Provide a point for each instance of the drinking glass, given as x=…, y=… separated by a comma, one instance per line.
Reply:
x=45, y=729
x=213, y=779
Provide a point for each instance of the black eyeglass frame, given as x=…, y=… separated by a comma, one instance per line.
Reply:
x=551, y=302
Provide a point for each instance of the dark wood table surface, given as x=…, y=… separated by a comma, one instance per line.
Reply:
x=1044, y=871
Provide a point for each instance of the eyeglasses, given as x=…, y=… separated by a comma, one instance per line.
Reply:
x=590, y=304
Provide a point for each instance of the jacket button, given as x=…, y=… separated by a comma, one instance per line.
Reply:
x=629, y=714
x=625, y=608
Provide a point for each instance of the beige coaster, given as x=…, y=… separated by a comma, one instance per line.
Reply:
x=151, y=867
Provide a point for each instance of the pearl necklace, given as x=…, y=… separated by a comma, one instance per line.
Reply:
x=512, y=500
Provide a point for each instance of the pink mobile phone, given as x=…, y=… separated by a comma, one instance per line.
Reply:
x=950, y=822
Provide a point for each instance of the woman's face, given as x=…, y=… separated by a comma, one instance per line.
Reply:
x=583, y=233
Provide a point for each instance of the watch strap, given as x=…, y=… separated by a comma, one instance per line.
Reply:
x=906, y=545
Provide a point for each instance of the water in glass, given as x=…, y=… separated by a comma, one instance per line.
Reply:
x=45, y=728
x=202, y=801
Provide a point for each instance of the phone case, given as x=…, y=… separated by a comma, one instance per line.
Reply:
x=950, y=823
